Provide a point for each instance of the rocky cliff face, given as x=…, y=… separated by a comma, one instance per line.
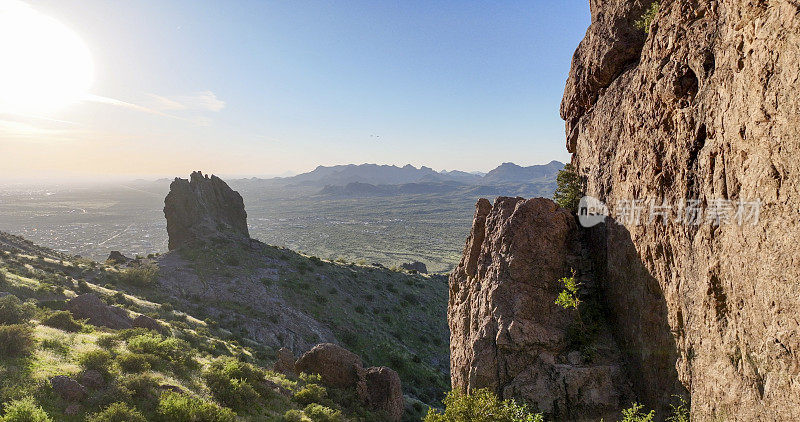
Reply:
x=203, y=207
x=507, y=333
x=704, y=107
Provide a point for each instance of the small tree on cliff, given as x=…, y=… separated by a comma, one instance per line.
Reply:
x=647, y=18
x=568, y=189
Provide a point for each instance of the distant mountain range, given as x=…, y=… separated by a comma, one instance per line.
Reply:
x=374, y=174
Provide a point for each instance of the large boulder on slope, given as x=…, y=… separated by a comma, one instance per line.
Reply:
x=89, y=306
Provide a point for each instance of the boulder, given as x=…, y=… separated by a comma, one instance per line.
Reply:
x=89, y=306
x=92, y=379
x=337, y=366
x=116, y=257
x=68, y=389
x=384, y=392
x=203, y=208
x=285, y=362
x=144, y=321
x=417, y=266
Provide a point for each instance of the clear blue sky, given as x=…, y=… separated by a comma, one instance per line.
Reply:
x=263, y=87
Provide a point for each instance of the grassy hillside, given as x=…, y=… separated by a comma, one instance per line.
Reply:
x=206, y=357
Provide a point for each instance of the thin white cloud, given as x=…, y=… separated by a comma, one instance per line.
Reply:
x=143, y=109
x=165, y=103
x=199, y=101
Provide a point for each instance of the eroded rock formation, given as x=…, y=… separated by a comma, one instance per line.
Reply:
x=705, y=107
x=377, y=387
x=203, y=207
x=507, y=333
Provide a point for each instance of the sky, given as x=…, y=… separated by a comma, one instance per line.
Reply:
x=256, y=88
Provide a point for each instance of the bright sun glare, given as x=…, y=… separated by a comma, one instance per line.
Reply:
x=45, y=65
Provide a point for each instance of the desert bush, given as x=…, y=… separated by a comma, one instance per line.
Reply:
x=320, y=413
x=680, y=410
x=62, y=320
x=16, y=340
x=108, y=341
x=98, y=360
x=294, y=415
x=311, y=393
x=176, y=352
x=24, y=410
x=117, y=412
x=647, y=18
x=481, y=405
x=56, y=345
x=635, y=414
x=175, y=407
x=568, y=188
x=140, y=385
x=133, y=363
x=142, y=276
x=13, y=311
x=568, y=298
x=233, y=383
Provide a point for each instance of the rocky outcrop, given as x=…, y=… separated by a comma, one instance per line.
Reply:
x=285, y=362
x=417, y=266
x=337, y=366
x=201, y=208
x=68, y=389
x=384, y=392
x=507, y=333
x=116, y=257
x=704, y=107
x=377, y=387
x=144, y=321
x=89, y=306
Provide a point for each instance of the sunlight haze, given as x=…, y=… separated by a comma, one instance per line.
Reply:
x=156, y=89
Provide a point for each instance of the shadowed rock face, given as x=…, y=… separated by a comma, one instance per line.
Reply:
x=507, y=333
x=201, y=208
x=706, y=108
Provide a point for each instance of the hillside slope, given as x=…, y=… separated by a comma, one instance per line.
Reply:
x=200, y=333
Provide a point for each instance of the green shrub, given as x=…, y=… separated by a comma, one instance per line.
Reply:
x=56, y=345
x=647, y=18
x=320, y=413
x=481, y=405
x=98, y=360
x=24, y=410
x=142, y=276
x=174, y=351
x=117, y=412
x=108, y=341
x=568, y=298
x=234, y=383
x=174, y=407
x=680, y=411
x=635, y=414
x=568, y=188
x=294, y=415
x=16, y=340
x=62, y=320
x=133, y=363
x=140, y=385
x=13, y=311
x=311, y=393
